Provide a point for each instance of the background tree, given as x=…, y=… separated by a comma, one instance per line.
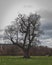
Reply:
x=24, y=32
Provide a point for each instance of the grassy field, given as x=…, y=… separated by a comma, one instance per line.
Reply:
x=16, y=60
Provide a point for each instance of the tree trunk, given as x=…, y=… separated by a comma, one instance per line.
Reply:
x=26, y=53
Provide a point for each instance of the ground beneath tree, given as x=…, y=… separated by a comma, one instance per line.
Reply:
x=19, y=60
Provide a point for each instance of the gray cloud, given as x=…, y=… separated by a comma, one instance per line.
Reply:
x=46, y=27
x=47, y=19
x=6, y=4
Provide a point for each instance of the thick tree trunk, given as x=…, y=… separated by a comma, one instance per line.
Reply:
x=26, y=54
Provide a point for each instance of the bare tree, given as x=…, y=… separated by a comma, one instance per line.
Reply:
x=24, y=32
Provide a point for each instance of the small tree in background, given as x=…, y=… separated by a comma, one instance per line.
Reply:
x=24, y=32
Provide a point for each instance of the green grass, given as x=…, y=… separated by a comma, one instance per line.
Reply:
x=17, y=60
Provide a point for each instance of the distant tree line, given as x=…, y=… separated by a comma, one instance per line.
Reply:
x=9, y=49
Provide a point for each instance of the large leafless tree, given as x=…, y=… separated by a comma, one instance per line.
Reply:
x=24, y=32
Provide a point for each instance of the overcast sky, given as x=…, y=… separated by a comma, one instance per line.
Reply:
x=9, y=10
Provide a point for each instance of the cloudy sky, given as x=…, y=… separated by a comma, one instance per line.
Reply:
x=9, y=10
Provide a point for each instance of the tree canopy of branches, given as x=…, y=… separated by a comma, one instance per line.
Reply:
x=24, y=32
